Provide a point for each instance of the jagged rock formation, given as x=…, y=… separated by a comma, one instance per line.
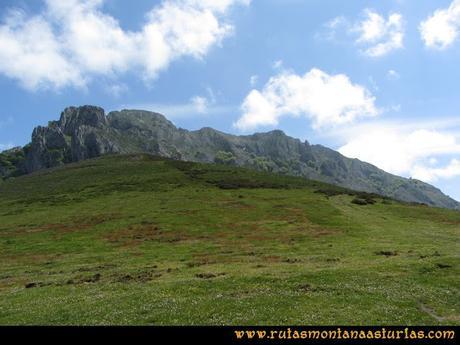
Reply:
x=86, y=132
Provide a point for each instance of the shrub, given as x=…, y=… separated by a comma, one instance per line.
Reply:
x=359, y=201
x=224, y=157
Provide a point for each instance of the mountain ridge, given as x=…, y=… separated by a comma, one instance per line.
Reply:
x=86, y=132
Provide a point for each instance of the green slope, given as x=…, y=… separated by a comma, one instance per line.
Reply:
x=142, y=240
x=86, y=132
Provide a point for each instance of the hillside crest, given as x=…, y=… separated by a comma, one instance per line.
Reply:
x=86, y=132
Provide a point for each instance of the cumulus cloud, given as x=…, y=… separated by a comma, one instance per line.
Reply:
x=440, y=30
x=374, y=34
x=405, y=150
x=200, y=104
x=325, y=99
x=30, y=53
x=379, y=35
x=430, y=174
x=72, y=41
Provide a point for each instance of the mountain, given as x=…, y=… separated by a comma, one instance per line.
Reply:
x=86, y=132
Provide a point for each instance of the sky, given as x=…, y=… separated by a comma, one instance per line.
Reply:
x=377, y=81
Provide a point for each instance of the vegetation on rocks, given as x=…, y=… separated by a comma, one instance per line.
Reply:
x=85, y=132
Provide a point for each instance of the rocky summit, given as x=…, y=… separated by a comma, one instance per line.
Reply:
x=86, y=132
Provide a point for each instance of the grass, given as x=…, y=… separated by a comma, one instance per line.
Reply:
x=143, y=240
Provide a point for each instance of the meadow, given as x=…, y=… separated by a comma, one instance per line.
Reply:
x=141, y=240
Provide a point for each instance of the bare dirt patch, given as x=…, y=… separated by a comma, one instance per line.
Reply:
x=209, y=275
x=137, y=234
x=386, y=253
x=82, y=280
x=72, y=225
x=203, y=262
x=140, y=277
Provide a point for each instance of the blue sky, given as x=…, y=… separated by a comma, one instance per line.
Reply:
x=375, y=80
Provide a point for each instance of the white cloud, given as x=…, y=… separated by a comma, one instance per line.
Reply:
x=197, y=106
x=216, y=5
x=441, y=29
x=380, y=36
x=116, y=89
x=336, y=22
x=408, y=150
x=433, y=161
x=30, y=53
x=327, y=100
x=430, y=174
x=253, y=80
x=72, y=41
x=396, y=108
x=200, y=104
x=204, y=104
x=374, y=34
x=393, y=75
x=333, y=28
x=373, y=83
x=277, y=64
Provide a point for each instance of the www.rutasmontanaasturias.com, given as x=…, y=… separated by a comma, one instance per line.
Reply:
x=349, y=333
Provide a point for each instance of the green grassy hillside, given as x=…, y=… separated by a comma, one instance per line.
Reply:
x=140, y=240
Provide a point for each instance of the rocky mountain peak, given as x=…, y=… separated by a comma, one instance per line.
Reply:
x=87, y=115
x=86, y=132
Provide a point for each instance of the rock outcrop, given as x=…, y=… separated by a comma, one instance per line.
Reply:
x=86, y=132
